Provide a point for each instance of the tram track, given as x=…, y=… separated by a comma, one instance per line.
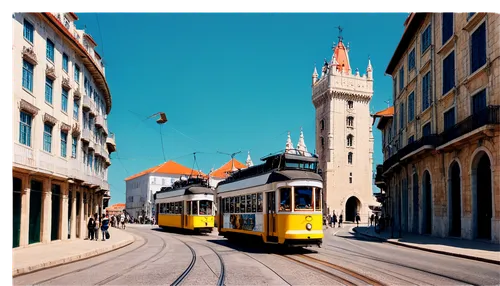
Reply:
x=145, y=241
x=126, y=270
x=220, y=278
x=367, y=280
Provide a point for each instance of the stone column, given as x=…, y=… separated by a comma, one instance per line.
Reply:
x=73, y=212
x=46, y=210
x=64, y=209
x=83, y=226
x=25, y=210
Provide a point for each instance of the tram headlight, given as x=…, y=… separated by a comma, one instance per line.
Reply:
x=309, y=226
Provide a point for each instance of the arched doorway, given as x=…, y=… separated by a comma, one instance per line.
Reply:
x=415, y=203
x=352, y=207
x=454, y=200
x=427, y=203
x=482, y=195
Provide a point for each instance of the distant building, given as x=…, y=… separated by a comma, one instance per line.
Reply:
x=115, y=209
x=441, y=139
x=62, y=145
x=344, y=139
x=225, y=170
x=141, y=187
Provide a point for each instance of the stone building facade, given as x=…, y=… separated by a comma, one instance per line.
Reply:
x=344, y=139
x=61, y=147
x=441, y=146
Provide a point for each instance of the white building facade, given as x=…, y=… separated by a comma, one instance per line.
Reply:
x=141, y=187
x=344, y=139
x=61, y=141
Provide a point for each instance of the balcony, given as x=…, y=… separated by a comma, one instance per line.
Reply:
x=110, y=142
x=379, y=180
x=99, y=121
x=472, y=128
x=97, y=150
x=77, y=94
x=86, y=103
x=85, y=135
x=416, y=147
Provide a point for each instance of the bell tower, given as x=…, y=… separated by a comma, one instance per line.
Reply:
x=344, y=140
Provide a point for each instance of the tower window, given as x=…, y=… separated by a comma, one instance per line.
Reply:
x=322, y=123
x=349, y=159
x=322, y=141
x=350, y=180
x=350, y=139
x=350, y=121
x=350, y=104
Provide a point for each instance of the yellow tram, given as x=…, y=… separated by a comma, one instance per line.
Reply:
x=279, y=201
x=188, y=204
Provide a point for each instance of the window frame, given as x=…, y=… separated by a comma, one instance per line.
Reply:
x=425, y=32
x=445, y=72
x=47, y=137
x=32, y=40
x=411, y=60
x=64, y=103
x=49, y=86
x=65, y=62
x=25, y=128
x=74, y=147
x=452, y=28
x=452, y=111
x=27, y=76
x=426, y=93
x=350, y=138
x=411, y=111
x=50, y=50
x=350, y=156
x=64, y=144
x=471, y=54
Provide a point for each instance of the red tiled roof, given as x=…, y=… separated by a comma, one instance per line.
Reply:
x=116, y=207
x=169, y=167
x=384, y=115
x=223, y=171
x=341, y=57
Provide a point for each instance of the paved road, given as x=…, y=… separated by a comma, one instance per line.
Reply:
x=402, y=265
x=159, y=257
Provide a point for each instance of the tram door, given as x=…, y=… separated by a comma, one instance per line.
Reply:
x=185, y=216
x=183, y=213
x=272, y=236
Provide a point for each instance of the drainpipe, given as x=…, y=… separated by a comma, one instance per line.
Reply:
x=433, y=76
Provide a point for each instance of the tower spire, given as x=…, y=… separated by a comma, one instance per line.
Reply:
x=249, y=162
x=301, y=146
x=369, y=69
x=315, y=75
x=289, y=144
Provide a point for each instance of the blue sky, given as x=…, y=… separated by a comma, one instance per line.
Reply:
x=227, y=82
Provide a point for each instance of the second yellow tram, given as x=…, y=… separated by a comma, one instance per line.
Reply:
x=188, y=205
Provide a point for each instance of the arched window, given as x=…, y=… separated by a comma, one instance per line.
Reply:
x=349, y=158
x=350, y=104
x=322, y=123
x=322, y=141
x=350, y=121
x=350, y=139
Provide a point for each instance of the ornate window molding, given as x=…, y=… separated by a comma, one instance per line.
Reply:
x=50, y=72
x=47, y=118
x=29, y=55
x=28, y=107
x=65, y=127
x=76, y=130
x=65, y=83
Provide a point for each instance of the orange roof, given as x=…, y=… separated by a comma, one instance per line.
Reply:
x=386, y=112
x=341, y=57
x=116, y=206
x=73, y=15
x=223, y=172
x=169, y=167
x=384, y=115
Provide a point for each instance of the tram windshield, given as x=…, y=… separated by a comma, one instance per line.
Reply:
x=302, y=165
x=205, y=207
x=303, y=198
x=285, y=197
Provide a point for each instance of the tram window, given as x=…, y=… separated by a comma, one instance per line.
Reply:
x=232, y=206
x=242, y=204
x=318, y=199
x=205, y=207
x=195, y=207
x=188, y=208
x=303, y=198
x=259, y=202
x=162, y=208
x=176, y=208
x=254, y=203
x=181, y=207
x=249, y=203
x=285, y=199
x=226, y=205
x=169, y=208
x=237, y=204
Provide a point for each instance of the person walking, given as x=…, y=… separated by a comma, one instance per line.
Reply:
x=96, y=226
x=340, y=220
x=334, y=220
x=357, y=219
x=104, y=226
x=372, y=217
x=90, y=227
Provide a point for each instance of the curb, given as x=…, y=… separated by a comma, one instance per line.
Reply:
x=432, y=250
x=78, y=257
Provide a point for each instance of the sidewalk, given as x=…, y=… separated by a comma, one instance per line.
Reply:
x=37, y=257
x=470, y=249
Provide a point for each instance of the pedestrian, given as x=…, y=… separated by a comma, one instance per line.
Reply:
x=96, y=226
x=357, y=219
x=328, y=220
x=341, y=219
x=372, y=217
x=104, y=226
x=334, y=220
x=122, y=220
x=90, y=227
